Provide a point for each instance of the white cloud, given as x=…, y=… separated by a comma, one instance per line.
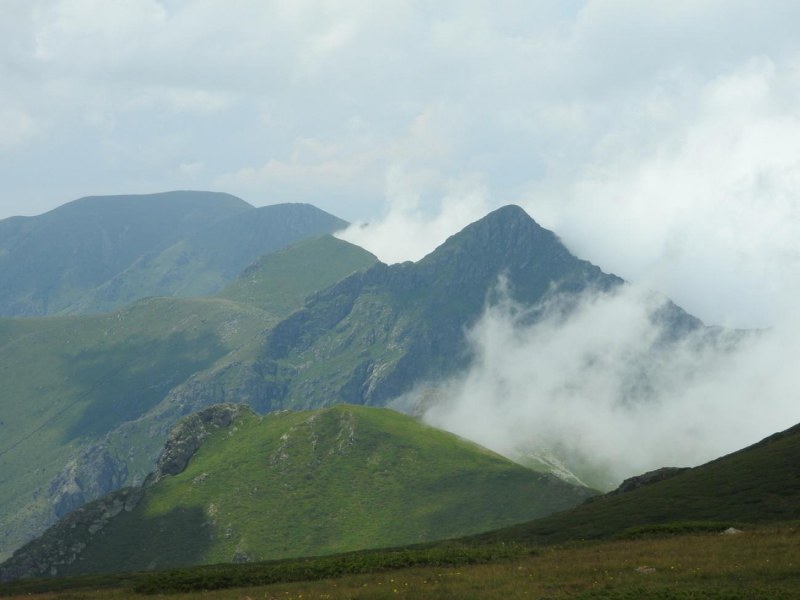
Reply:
x=201, y=102
x=18, y=128
x=704, y=204
x=600, y=391
x=411, y=228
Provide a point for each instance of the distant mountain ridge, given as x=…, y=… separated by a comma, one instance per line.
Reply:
x=98, y=253
x=377, y=333
x=235, y=487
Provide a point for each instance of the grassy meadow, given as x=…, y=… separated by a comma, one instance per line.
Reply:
x=761, y=562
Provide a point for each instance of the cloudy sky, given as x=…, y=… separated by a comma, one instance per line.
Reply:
x=660, y=140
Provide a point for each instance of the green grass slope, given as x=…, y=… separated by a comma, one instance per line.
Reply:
x=309, y=483
x=758, y=484
x=280, y=285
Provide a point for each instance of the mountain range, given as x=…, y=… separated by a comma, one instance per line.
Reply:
x=99, y=253
x=93, y=397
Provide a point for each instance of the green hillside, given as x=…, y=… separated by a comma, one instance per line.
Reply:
x=758, y=484
x=100, y=253
x=280, y=285
x=298, y=483
x=88, y=401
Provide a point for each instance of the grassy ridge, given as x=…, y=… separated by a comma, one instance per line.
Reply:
x=680, y=561
x=280, y=285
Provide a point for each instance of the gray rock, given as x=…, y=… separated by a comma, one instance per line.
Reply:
x=187, y=436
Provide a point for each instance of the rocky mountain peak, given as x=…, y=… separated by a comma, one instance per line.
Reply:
x=503, y=232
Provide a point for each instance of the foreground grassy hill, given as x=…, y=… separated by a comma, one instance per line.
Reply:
x=294, y=484
x=82, y=408
x=99, y=253
x=650, y=550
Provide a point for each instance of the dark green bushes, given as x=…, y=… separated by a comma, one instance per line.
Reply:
x=215, y=577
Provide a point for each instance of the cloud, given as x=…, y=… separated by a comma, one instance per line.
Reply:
x=411, y=229
x=600, y=390
x=636, y=131
x=18, y=128
x=697, y=195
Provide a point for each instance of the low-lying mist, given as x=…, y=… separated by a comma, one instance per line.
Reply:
x=604, y=387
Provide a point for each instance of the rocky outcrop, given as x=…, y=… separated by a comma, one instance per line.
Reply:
x=187, y=436
x=649, y=478
x=86, y=477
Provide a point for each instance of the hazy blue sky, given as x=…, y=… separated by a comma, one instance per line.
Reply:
x=660, y=139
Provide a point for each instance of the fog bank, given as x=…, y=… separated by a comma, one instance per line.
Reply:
x=599, y=388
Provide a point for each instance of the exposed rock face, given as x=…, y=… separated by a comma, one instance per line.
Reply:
x=188, y=435
x=63, y=543
x=648, y=478
x=92, y=474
